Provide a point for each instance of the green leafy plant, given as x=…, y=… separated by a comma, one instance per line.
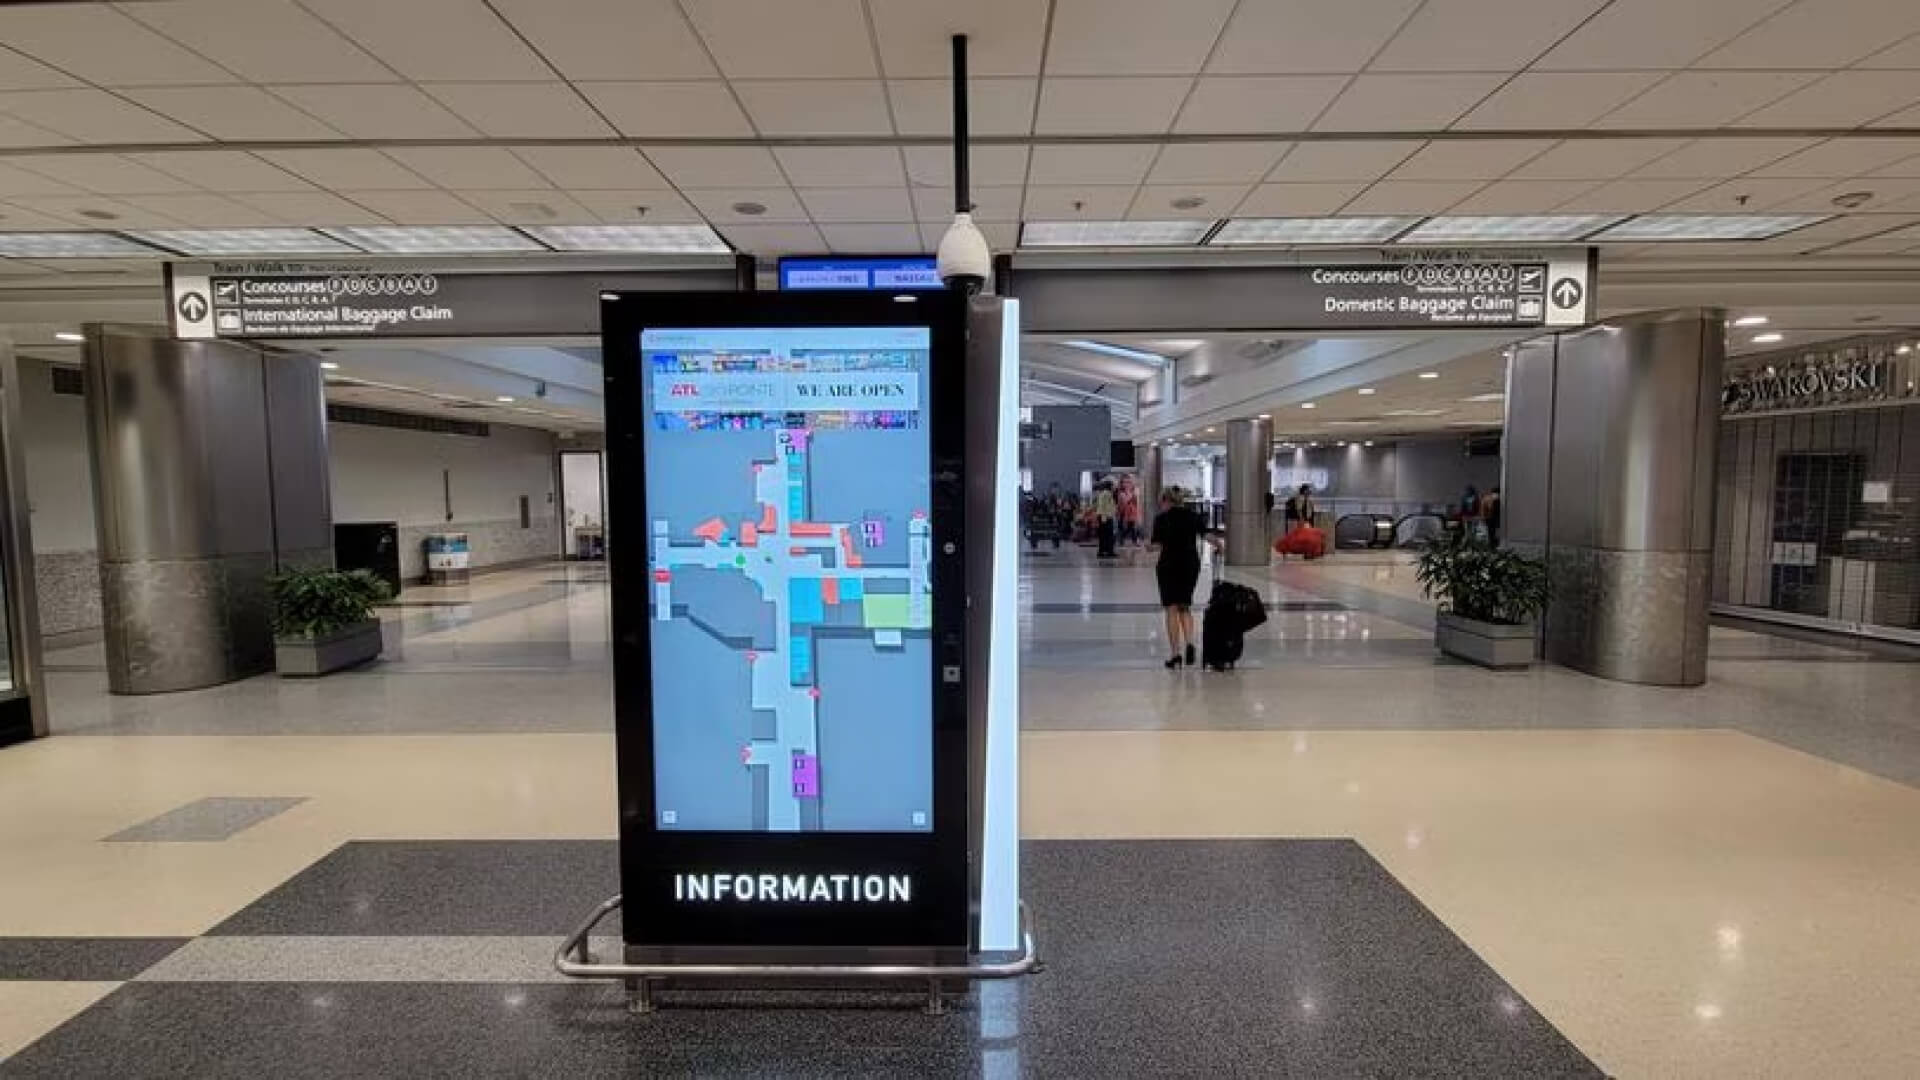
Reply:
x=315, y=603
x=1486, y=584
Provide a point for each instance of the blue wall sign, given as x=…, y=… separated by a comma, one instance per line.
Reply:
x=907, y=273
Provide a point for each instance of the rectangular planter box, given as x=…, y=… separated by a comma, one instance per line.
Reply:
x=1494, y=645
x=302, y=657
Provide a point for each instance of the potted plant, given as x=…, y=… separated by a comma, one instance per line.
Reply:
x=323, y=619
x=1488, y=599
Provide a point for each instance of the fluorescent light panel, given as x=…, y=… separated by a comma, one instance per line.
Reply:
x=1708, y=226
x=70, y=245
x=657, y=239
x=1123, y=353
x=434, y=239
x=1321, y=230
x=246, y=242
x=1113, y=233
x=1538, y=228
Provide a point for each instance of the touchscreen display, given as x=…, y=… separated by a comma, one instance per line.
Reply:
x=787, y=477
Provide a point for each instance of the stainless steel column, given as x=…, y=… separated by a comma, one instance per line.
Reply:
x=186, y=440
x=1147, y=475
x=1612, y=434
x=1249, y=446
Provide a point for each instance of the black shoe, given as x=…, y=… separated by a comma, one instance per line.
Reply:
x=1190, y=656
x=1173, y=662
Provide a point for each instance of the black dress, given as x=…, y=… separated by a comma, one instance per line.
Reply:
x=1177, y=531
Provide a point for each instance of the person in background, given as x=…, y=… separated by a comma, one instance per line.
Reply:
x=1470, y=524
x=1128, y=499
x=1177, y=532
x=1300, y=507
x=1490, y=514
x=1106, y=514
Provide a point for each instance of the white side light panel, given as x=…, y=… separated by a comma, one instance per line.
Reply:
x=246, y=242
x=1113, y=233
x=1709, y=226
x=657, y=239
x=1534, y=229
x=1321, y=230
x=434, y=239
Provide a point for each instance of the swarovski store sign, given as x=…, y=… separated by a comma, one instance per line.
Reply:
x=1829, y=378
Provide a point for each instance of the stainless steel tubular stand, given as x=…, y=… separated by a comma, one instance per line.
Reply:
x=575, y=960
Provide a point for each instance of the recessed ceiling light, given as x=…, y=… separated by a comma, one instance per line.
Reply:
x=1308, y=405
x=1527, y=228
x=658, y=239
x=1369, y=442
x=1188, y=202
x=749, y=209
x=1768, y=338
x=434, y=239
x=1342, y=442
x=1321, y=230
x=1212, y=430
x=1902, y=350
x=1708, y=226
x=504, y=399
x=1750, y=320
x=1122, y=352
x=1266, y=416
x=1112, y=233
x=70, y=245
x=329, y=365
x=1366, y=391
x=71, y=335
x=1852, y=200
x=1429, y=374
x=246, y=242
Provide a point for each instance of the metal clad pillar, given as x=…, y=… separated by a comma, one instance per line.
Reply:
x=1612, y=435
x=1249, y=444
x=1148, y=473
x=186, y=441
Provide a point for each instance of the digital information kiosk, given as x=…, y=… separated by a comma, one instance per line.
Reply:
x=802, y=780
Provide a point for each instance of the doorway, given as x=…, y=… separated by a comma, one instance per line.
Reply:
x=583, y=505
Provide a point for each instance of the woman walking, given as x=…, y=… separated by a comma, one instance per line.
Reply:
x=1177, y=532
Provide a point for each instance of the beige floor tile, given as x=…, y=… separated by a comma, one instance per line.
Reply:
x=29, y=1010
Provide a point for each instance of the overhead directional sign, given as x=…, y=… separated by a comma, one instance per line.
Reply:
x=897, y=274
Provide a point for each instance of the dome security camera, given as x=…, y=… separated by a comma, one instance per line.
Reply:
x=964, y=262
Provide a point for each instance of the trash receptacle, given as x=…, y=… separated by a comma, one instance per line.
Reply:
x=447, y=558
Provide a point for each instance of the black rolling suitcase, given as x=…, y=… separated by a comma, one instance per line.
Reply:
x=1232, y=610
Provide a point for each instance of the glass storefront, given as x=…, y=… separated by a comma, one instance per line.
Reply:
x=1818, y=515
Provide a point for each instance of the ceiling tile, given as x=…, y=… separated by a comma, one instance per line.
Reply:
x=346, y=167
x=540, y=206
x=1843, y=99
x=994, y=106
x=611, y=39
x=1556, y=101
x=1719, y=158
x=222, y=170
x=1405, y=102
x=1411, y=196
x=1518, y=197
x=1081, y=202
x=1481, y=35
x=203, y=210
x=18, y=72
x=1111, y=163
x=18, y=219
x=1837, y=158
x=436, y=40
x=775, y=239
x=262, y=40
x=1651, y=35
x=1908, y=166
x=82, y=211
x=1154, y=202
x=609, y=167
x=842, y=166
x=1091, y=38
x=786, y=39
x=1469, y=159
x=857, y=204
x=1219, y=163
x=1298, y=200
x=1595, y=159
x=1000, y=236
x=1908, y=118
x=310, y=208
x=1705, y=98
x=1257, y=103
x=782, y=205
x=102, y=174
x=1745, y=195
x=418, y=207
x=1818, y=34
x=879, y=239
x=1003, y=36
x=816, y=107
x=1903, y=55
x=990, y=165
x=468, y=168
x=378, y=111
x=667, y=110
x=94, y=116
x=717, y=166
x=1286, y=36
x=1883, y=193
x=1848, y=227
x=18, y=181
x=1109, y=106
x=1343, y=160
x=637, y=207
x=522, y=110
x=15, y=132
x=99, y=44
x=989, y=203
x=237, y=113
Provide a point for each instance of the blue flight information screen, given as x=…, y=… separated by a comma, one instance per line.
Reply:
x=904, y=274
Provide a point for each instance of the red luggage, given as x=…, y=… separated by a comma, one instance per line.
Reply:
x=1304, y=541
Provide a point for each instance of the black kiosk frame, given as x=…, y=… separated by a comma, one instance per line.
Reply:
x=749, y=904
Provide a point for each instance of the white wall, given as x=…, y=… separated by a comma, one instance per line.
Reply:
x=53, y=430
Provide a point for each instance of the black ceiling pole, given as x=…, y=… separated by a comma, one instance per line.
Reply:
x=961, y=202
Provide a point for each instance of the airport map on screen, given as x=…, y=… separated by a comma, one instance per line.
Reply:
x=790, y=611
